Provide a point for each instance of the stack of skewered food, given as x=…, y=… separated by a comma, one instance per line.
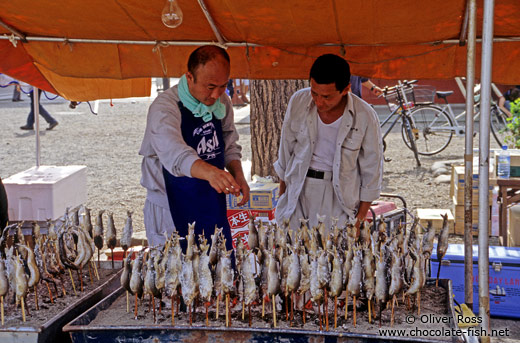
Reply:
x=67, y=247
x=286, y=266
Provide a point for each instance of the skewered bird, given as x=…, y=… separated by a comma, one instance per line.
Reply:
x=126, y=237
x=442, y=244
x=110, y=238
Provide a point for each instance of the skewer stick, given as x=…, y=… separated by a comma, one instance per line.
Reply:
x=23, y=309
x=90, y=274
x=243, y=310
x=50, y=293
x=173, y=312
x=319, y=315
x=112, y=253
x=207, y=319
x=274, y=311
x=292, y=306
x=250, y=321
x=2, y=309
x=438, y=273
x=36, y=297
x=227, y=309
x=303, y=311
x=336, y=311
x=80, y=277
x=392, y=316
x=380, y=310
x=326, y=310
x=346, y=304
x=419, y=303
x=135, y=310
x=286, y=308
x=95, y=269
x=369, y=311
x=73, y=284
x=354, y=304
x=153, y=305
x=98, y=253
x=263, y=306
x=218, y=300
x=189, y=310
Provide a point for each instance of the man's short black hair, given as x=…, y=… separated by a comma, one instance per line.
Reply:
x=203, y=55
x=330, y=68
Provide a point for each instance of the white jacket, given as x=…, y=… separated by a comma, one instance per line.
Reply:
x=357, y=170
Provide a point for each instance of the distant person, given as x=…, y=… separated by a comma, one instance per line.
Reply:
x=357, y=81
x=241, y=88
x=17, y=92
x=506, y=101
x=30, y=118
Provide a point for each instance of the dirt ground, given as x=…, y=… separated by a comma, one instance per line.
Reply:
x=108, y=145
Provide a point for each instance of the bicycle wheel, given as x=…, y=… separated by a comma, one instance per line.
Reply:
x=498, y=125
x=433, y=130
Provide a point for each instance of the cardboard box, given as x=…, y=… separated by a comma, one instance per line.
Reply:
x=44, y=192
x=434, y=215
x=459, y=227
x=458, y=182
x=504, y=277
x=239, y=222
x=263, y=196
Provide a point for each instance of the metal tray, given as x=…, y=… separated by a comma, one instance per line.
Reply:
x=80, y=331
x=51, y=331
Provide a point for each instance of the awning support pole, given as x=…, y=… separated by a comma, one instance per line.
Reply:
x=36, y=110
x=468, y=156
x=483, y=186
x=211, y=22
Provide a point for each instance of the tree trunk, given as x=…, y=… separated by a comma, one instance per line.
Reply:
x=269, y=99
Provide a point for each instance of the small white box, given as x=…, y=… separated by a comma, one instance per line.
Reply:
x=44, y=192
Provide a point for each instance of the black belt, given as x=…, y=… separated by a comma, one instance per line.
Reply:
x=316, y=174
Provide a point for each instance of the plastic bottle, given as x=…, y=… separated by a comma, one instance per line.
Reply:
x=504, y=163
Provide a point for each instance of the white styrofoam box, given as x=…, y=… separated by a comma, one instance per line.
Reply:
x=44, y=192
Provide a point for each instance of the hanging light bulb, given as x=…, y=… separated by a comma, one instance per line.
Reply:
x=171, y=14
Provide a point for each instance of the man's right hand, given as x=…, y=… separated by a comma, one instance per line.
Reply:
x=221, y=180
x=283, y=186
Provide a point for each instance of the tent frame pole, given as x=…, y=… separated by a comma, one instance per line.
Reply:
x=468, y=156
x=36, y=110
x=483, y=195
x=211, y=22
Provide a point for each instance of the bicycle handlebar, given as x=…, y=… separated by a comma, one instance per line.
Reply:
x=405, y=83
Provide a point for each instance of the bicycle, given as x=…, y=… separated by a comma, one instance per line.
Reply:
x=437, y=124
x=401, y=99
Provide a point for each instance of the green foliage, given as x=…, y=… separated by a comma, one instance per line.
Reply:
x=513, y=128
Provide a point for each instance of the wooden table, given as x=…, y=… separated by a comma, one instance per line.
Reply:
x=508, y=195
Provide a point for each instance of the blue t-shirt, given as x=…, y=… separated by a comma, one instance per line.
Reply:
x=356, y=84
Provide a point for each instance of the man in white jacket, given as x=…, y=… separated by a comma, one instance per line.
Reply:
x=330, y=160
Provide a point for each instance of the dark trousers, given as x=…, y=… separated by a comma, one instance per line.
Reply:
x=43, y=112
